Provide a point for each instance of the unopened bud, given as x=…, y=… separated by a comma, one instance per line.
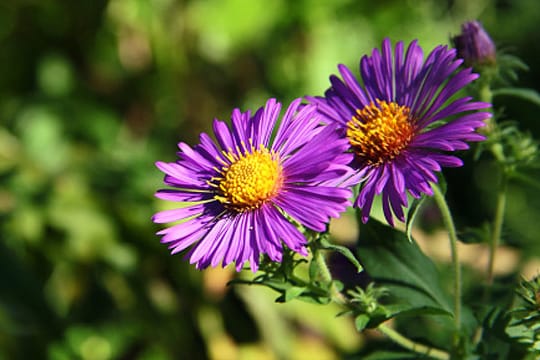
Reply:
x=474, y=45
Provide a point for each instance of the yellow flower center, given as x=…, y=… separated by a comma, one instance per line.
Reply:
x=378, y=133
x=251, y=179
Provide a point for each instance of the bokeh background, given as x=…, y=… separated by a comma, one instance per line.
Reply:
x=93, y=92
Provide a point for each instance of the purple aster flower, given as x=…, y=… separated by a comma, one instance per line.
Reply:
x=474, y=45
x=402, y=122
x=246, y=192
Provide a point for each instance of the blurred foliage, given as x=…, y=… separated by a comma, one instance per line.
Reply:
x=93, y=92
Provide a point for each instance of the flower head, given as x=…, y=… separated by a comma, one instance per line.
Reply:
x=474, y=45
x=402, y=122
x=245, y=192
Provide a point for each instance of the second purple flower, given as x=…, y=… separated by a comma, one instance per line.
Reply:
x=402, y=120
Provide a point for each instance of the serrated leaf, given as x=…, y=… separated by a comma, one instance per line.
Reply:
x=361, y=321
x=399, y=265
x=411, y=216
x=325, y=244
x=530, y=95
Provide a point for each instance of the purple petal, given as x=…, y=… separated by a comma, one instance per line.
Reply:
x=177, y=214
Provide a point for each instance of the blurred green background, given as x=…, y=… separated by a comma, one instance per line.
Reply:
x=93, y=92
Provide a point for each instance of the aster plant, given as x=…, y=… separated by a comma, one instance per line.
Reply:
x=405, y=119
x=401, y=121
x=247, y=193
x=263, y=193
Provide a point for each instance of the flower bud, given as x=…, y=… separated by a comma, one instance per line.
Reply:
x=474, y=45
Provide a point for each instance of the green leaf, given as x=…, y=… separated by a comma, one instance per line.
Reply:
x=400, y=266
x=361, y=322
x=293, y=292
x=327, y=245
x=411, y=216
x=306, y=295
x=338, y=285
x=530, y=95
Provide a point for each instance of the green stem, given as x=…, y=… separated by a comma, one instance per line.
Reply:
x=498, y=153
x=450, y=227
x=323, y=268
x=485, y=94
x=494, y=245
x=337, y=296
x=411, y=345
x=497, y=228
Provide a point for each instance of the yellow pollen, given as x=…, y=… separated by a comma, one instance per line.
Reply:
x=379, y=133
x=251, y=179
